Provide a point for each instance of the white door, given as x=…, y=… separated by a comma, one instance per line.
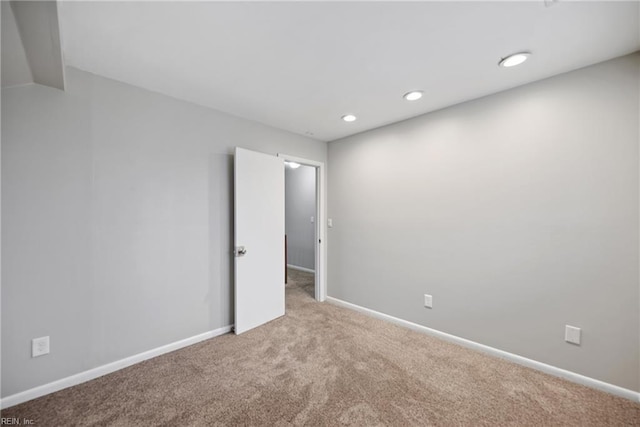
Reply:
x=259, y=239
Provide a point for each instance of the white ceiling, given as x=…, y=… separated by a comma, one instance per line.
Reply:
x=300, y=66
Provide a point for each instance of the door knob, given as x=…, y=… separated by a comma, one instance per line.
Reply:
x=241, y=251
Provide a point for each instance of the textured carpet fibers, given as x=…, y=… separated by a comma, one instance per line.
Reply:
x=323, y=365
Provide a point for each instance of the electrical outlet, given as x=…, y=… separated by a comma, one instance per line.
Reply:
x=572, y=334
x=428, y=301
x=330, y=222
x=39, y=346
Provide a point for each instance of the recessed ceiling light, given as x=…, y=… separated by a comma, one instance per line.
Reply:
x=413, y=95
x=349, y=118
x=293, y=165
x=515, y=59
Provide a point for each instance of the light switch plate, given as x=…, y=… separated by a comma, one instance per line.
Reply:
x=572, y=334
x=428, y=301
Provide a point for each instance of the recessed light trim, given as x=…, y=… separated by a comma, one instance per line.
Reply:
x=349, y=118
x=292, y=165
x=514, y=59
x=414, y=95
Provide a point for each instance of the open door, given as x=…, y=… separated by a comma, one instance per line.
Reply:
x=259, y=239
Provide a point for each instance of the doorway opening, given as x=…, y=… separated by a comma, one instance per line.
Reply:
x=304, y=230
x=259, y=234
x=300, y=230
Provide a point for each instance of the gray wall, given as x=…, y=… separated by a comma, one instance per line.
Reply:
x=300, y=206
x=15, y=67
x=116, y=222
x=518, y=212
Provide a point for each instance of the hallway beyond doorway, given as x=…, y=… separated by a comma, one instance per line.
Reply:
x=302, y=280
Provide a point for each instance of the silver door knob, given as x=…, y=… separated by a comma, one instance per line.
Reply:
x=241, y=251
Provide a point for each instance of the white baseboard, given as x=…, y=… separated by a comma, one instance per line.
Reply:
x=295, y=267
x=94, y=373
x=548, y=369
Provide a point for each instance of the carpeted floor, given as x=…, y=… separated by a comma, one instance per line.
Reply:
x=323, y=365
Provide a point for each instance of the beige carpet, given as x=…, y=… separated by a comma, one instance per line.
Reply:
x=325, y=365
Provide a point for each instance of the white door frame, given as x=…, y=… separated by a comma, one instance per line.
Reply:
x=321, y=223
